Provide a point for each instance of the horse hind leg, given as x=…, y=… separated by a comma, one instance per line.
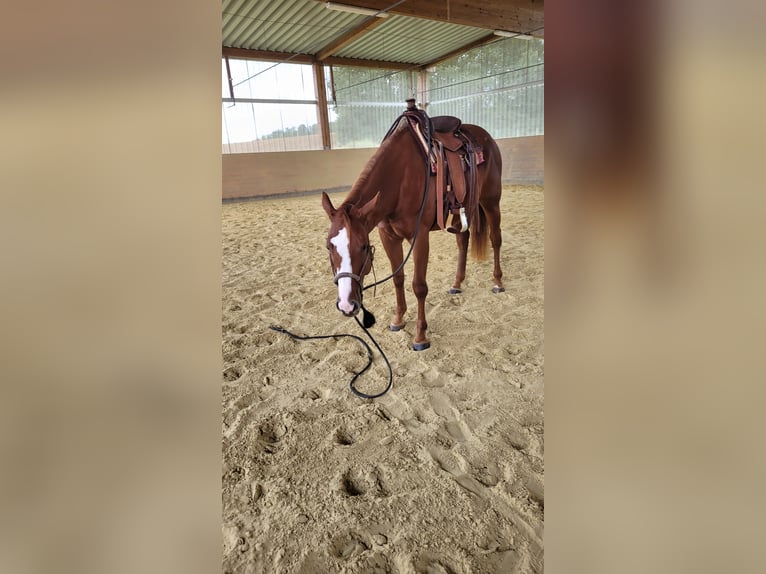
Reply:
x=462, y=253
x=496, y=238
x=420, y=288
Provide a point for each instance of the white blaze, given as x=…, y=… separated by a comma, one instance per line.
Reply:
x=340, y=242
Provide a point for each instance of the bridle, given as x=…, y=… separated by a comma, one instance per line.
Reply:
x=354, y=276
x=368, y=319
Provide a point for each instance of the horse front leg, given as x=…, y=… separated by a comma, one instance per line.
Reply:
x=420, y=288
x=393, y=247
x=462, y=254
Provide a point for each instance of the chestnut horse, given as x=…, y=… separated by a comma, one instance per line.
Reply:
x=389, y=195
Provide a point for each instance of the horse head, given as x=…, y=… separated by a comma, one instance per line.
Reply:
x=348, y=243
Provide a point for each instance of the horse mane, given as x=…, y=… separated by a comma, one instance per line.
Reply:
x=342, y=217
x=360, y=184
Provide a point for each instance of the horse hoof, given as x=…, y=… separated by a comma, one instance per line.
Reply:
x=454, y=291
x=421, y=346
x=396, y=327
x=497, y=289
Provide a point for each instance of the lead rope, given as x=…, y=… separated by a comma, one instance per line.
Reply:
x=367, y=317
x=357, y=374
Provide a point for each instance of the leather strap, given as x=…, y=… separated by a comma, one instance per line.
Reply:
x=473, y=183
x=440, y=183
x=353, y=276
x=457, y=174
x=421, y=138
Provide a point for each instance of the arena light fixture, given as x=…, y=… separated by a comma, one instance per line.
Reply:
x=507, y=34
x=355, y=9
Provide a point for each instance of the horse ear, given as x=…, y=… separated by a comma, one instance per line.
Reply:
x=327, y=205
x=368, y=207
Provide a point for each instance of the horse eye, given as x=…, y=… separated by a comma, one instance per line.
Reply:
x=365, y=247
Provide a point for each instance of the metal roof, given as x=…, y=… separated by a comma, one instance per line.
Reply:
x=411, y=40
x=291, y=26
x=281, y=28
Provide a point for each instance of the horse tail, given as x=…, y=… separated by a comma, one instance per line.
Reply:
x=479, y=234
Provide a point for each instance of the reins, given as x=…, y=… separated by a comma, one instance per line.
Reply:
x=368, y=319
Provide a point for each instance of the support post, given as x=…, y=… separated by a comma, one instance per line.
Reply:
x=324, y=117
x=228, y=75
x=423, y=89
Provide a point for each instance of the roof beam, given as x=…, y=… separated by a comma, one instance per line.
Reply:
x=266, y=55
x=286, y=57
x=344, y=40
x=337, y=61
x=461, y=50
x=522, y=16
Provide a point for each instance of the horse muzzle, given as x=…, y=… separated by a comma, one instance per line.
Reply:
x=349, y=309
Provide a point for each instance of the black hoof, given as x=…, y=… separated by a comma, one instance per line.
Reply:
x=420, y=346
x=395, y=327
x=454, y=291
x=498, y=289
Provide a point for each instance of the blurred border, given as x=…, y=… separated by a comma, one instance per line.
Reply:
x=110, y=224
x=653, y=280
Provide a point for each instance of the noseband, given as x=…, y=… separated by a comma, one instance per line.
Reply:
x=368, y=319
x=354, y=276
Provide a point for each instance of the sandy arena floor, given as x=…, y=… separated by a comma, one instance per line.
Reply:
x=444, y=474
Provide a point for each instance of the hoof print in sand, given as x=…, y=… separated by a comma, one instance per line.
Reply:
x=344, y=437
x=353, y=484
x=316, y=394
x=454, y=424
x=432, y=564
x=488, y=474
x=379, y=564
x=233, y=373
x=349, y=545
x=270, y=433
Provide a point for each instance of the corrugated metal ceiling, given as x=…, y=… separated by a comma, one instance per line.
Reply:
x=307, y=26
x=411, y=40
x=292, y=26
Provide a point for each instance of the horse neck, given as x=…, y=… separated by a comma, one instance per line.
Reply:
x=384, y=174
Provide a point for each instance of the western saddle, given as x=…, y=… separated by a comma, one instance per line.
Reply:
x=453, y=157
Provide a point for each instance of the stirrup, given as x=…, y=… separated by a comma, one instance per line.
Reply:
x=463, y=223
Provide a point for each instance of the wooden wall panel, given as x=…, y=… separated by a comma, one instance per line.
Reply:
x=259, y=174
x=248, y=175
